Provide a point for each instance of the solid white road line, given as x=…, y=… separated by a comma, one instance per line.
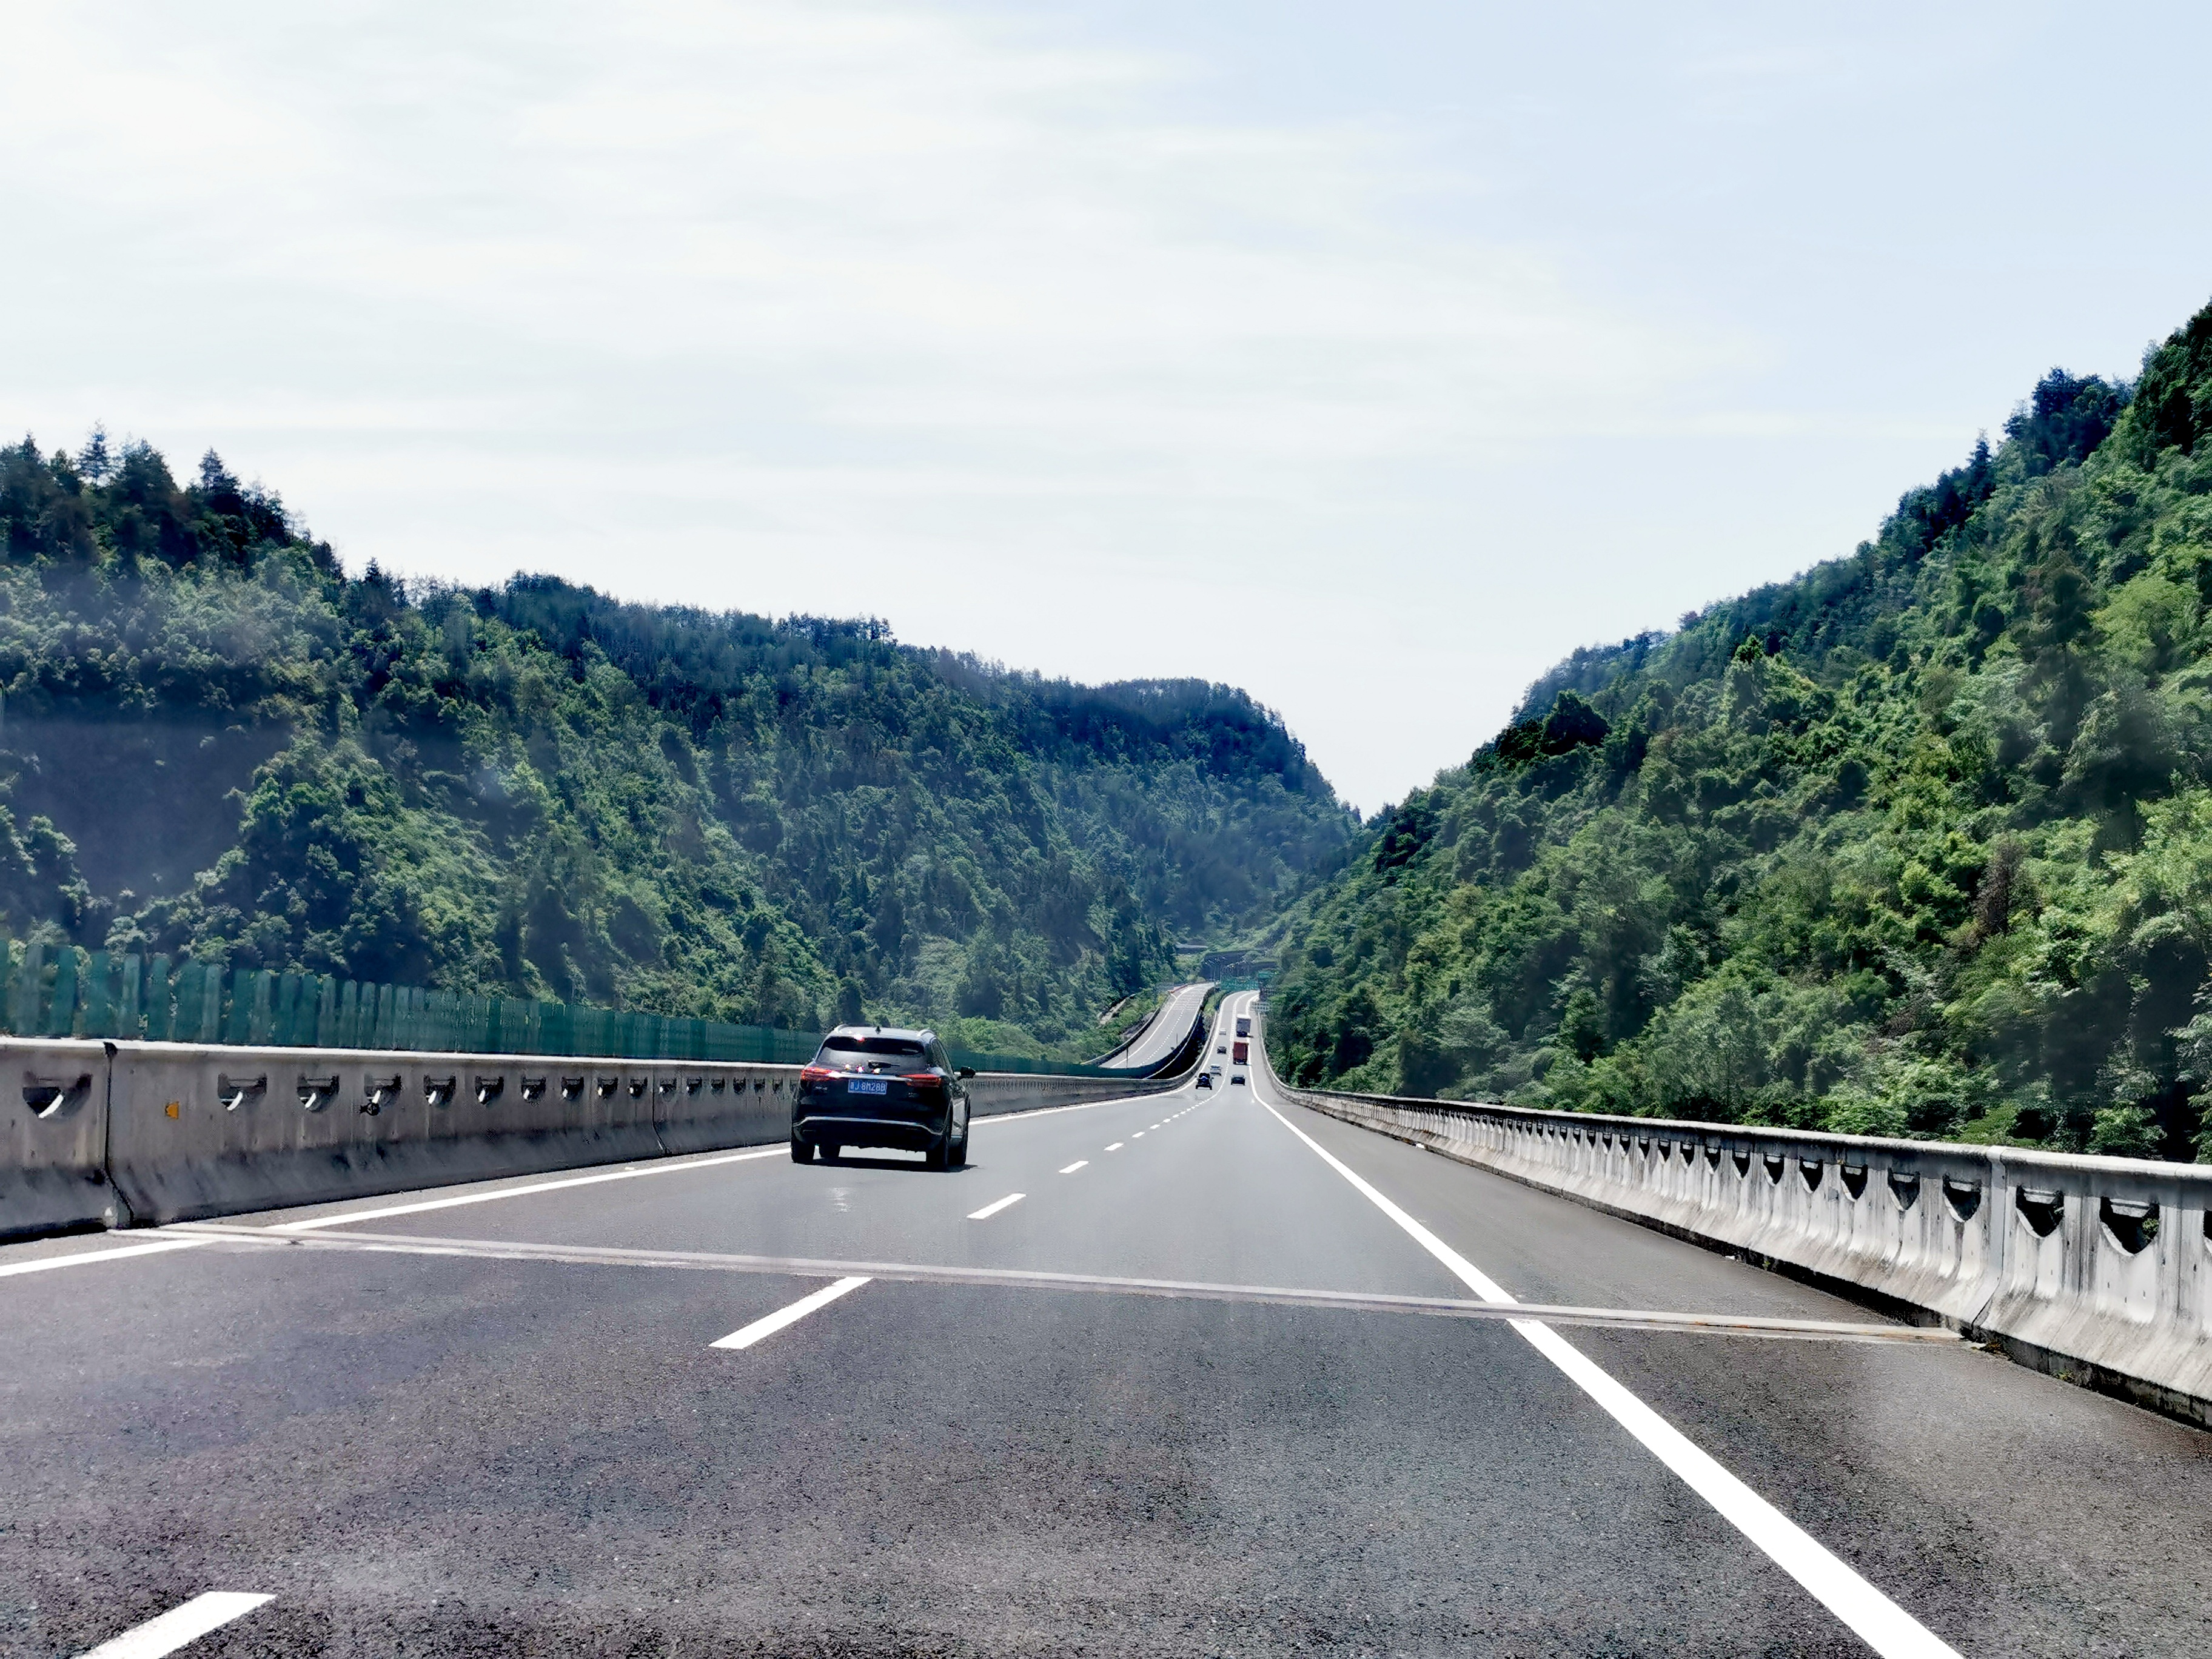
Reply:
x=174, y=1628
x=1872, y=1617
x=671, y=1167
x=1116, y=1147
x=990, y=1210
x=745, y=1336
x=82, y=1256
x=1080, y=1164
x=1050, y=1111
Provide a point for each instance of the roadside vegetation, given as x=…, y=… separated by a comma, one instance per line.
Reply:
x=213, y=741
x=1918, y=843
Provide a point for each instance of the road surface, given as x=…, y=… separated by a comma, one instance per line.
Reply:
x=731, y=1404
x=1179, y=1009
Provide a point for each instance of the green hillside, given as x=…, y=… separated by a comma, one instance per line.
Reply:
x=214, y=741
x=1918, y=843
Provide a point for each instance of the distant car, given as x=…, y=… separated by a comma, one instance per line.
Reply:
x=1220, y=1048
x=1238, y=1077
x=1205, y=1079
x=872, y=1086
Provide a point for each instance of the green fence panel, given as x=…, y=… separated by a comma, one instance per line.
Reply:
x=160, y=1023
x=211, y=1000
x=61, y=1013
x=29, y=1005
x=262, y=1021
x=184, y=1003
x=184, y=1024
x=94, y=1000
x=57, y=991
x=284, y=1012
x=240, y=1026
x=193, y=999
x=131, y=984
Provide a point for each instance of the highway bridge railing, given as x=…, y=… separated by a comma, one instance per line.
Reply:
x=2098, y=1270
x=116, y=1134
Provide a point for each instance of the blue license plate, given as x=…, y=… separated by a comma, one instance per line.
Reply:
x=867, y=1086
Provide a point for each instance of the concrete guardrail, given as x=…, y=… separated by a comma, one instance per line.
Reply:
x=2098, y=1270
x=113, y=1135
x=53, y=1140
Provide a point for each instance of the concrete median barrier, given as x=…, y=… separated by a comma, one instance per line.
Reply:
x=107, y=1134
x=710, y=1107
x=2095, y=1269
x=54, y=1150
x=993, y=1094
x=202, y=1131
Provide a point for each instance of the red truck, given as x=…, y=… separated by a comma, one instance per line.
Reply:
x=1240, y=1051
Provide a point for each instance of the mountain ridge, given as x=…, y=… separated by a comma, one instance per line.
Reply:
x=1917, y=842
x=538, y=790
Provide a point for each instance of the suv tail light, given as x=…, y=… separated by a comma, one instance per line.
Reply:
x=921, y=1077
x=817, y=1074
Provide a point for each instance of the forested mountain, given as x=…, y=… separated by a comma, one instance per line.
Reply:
x=1918, y=843
x=213, y=740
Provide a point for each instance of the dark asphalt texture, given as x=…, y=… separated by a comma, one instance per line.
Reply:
x=425, y=1454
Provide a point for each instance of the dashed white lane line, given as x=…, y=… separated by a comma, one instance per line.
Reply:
x=81, y=1257
x=1139, y=1135
x=1877, y=1621
x=1080, y=1164
x=178, y=1627
x=1116, y=1147
x=990, y=1210
x=745, y=1336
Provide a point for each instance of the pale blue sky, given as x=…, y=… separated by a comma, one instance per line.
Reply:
x=1369, y=357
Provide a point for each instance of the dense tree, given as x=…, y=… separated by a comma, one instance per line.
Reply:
x=1919, y=842
x=214, y=741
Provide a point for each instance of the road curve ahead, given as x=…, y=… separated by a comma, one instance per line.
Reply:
x=1200, y=1373
x=1157, y=1044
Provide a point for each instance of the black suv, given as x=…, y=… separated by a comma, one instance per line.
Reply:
x=870, y=1085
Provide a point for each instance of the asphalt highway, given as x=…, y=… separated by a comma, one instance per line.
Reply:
x=732, y=1405
x=1159, y=1040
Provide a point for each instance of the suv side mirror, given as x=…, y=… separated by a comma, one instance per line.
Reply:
x=967, y=1071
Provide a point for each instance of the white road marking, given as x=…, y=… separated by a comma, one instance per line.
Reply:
x=178, y=1627
x=1139, y=1135
x=82, y=1256
x=1872, y=1617
x=990, y=1210
x=769, y=1324
x=1049, y=1111
x=1116, y=1147
x=671, y=1167
x=1080, y=1164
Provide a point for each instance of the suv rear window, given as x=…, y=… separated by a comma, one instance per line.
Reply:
x=850, y=1051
